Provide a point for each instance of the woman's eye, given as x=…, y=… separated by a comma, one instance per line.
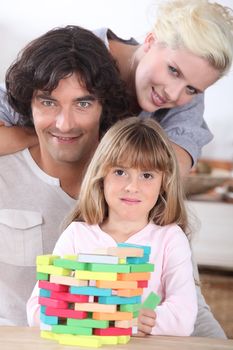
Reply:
x=191, y=90
x=119, y=172
x=173, y=70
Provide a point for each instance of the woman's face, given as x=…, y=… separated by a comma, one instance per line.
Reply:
x=167, y=78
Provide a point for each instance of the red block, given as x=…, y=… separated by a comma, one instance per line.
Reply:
x=112, y=331
x=50, y=311
x=142, y=284
x=58, y=304
x=53, y=286
x=71, y=298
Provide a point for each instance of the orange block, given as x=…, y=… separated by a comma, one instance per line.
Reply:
x=95, y=307
x=126, y=323
x=123, y=252
x=118, y=315
x=133, y=276
x=129, y=292
x=117, y=284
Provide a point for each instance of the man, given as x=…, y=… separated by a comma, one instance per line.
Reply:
x=69, y=86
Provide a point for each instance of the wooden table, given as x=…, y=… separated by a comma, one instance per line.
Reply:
x=25, y=338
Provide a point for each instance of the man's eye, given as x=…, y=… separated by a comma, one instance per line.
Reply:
x=191, y=90
x=173, y=70
x=84, y=104
x=47, y=103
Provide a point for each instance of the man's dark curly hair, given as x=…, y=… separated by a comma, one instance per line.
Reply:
x=58, y=54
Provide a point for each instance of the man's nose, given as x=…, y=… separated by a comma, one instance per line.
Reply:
x=65, y=120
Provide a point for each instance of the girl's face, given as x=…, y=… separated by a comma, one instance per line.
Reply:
x=131, y=193
x=167, y=78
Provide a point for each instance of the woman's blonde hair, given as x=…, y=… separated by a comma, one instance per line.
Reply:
x=138, y=143
x=203, y=28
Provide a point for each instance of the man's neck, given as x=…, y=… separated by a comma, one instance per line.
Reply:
x=70, y=174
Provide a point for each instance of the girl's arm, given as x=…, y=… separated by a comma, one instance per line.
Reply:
x=16, y=138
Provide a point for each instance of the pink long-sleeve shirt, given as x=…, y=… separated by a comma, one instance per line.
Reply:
x=172, y=278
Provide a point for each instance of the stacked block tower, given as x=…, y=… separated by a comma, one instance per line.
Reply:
x=93, y=299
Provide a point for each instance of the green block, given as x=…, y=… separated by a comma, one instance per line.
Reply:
x=63, y=329
x=130, y=307
x=151, y=301
x=87, y=322
x=120, y=268
x=142, y=267
x=70, y=264
x=40, y=276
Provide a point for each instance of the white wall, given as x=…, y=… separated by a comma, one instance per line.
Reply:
x=24, y=20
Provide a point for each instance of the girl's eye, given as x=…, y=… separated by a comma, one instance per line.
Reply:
x=147, y=176
x=191, y=90
x=173, y=70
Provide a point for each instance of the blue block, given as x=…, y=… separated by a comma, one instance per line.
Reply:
x=91, y=291
x=52, y=320
x=45, y=293
x=144, y=259
x=146, y=248
x=119, y=300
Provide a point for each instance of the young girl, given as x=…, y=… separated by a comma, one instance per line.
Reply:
x=189, y=47
x=132, y=193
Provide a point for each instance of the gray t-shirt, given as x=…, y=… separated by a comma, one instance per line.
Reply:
x=32, y=208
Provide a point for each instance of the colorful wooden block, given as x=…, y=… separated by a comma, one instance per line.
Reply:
x=129, y=292
x=144, y=259
x=93, y=342
x=124, y=252
x=117, y=284
x=53, y=270
x=98, y=258
x=50, y=320
x=46, y=259
x=44, y=293
x=141, y=267
x=126, y=323
x=63, y=329
x=65, y=313
x=91, y=291
x=53, y=286
x=60, y=304
x=113, y=331
x=133, y=276
x=42, y=276
x=89, y=275
x=151, y=301
x=71, y=298
x=120, y=268
x=142, y=284
x=130, y=307
x=95, y=307
x=119, y=300
x=118, y=315
x=146, y=248
x=88, y=322
x=68, y=280
x=70, y=264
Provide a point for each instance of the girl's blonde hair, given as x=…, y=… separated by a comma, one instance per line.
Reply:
x=141, y=144
x=203, y=28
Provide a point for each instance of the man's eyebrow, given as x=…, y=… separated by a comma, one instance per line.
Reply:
x=47, y=96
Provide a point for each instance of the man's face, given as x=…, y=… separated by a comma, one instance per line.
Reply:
x=66, y=122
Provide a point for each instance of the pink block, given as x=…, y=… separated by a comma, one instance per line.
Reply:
x=72, y=298
x=142, y=284
x=50, y=311
x=58, y=304
x=53, y=286
x=112, y=331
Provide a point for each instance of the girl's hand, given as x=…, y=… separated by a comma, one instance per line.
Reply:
x=146, y=321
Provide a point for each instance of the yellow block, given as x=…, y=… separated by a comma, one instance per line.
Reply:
x=107, y=339
x=53, y=270
x=95, y=307
x=123, y=339
x=69, y=339
x=90, y=275
x=118, y=315
x=46, y=259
